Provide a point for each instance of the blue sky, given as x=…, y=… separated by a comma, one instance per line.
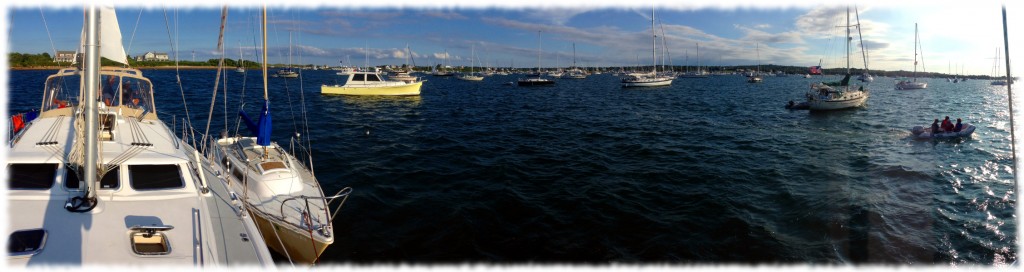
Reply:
x=952, y=33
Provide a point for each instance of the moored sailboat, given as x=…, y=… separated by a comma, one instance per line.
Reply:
x=279, y=190
x=838, y=95
x=913, y=85
x=537, y=78
x=652, y=79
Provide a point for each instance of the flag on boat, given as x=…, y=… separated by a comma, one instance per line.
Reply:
x=815, y=70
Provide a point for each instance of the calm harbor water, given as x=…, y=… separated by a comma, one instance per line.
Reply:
x=710, y=170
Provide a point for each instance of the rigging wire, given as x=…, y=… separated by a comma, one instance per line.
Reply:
x=47, y=32
x=177, y=71
x=216, y=82
x=130, y=41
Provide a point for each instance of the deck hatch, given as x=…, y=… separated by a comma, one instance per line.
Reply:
x=26, y=242
x=150, y=240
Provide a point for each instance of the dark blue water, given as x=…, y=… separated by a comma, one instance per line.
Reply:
x=705, y=171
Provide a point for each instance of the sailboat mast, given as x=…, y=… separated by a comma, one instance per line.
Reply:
x=574, y=55
x=654, y=43
x=1009, y=93
x=863, y=48
x=264, y=37
x=848, y=40
x=538, y=51
x=915, y=51
x=289, y=49
x=91, y=82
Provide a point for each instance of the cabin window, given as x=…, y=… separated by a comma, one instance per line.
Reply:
x=26, y=242
x=38, y=176
x=154, y=177
x=237, y=173
x=109, y=181
x=372, y=78
x=71, y=179
x=359, y=77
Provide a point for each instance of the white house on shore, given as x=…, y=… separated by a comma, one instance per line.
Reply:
x=65, y=56
x=152, y=56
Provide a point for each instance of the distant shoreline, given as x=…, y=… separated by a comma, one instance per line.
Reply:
x=140, y=68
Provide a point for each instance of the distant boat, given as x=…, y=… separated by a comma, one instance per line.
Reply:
x=651, y=79
x=865, y=77
x=241, y=60
x=695, y=74
x=838, y=95
x=913, y=85
x=755, y=77
x=535, y=79
x=471, y=76
x=404, y=75
x=288, y=72
x=371, y=83
x=443, y=71
x=575, y=72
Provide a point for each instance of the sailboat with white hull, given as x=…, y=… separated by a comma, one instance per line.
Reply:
x=651, y=79
x=913, y=85
x=535, y=79
x=280, y=191
x=98, y=179
x=472, y=75
x=838, y=95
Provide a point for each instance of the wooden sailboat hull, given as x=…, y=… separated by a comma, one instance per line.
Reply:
x=404, y=89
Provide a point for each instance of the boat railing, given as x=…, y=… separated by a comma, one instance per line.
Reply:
x=341, y=194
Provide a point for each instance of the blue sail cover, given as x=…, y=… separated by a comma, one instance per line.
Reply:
x=262, y=128
x=263, y=136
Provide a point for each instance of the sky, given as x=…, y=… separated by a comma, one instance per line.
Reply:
x=954, y=35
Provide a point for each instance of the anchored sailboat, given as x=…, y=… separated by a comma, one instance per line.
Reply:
x=278, y=189
x=838, y=95
x=536, y=79
x=651, y=79
x=472, y=75
x=913, y=85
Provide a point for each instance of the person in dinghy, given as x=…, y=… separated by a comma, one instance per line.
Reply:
x=945, y=130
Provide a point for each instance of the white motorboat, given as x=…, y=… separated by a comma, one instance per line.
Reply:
x=99, y=180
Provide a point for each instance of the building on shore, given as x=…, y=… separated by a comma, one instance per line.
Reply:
x=65, y=56
x=152, y=56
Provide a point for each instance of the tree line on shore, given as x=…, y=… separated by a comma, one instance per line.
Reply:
x=24, y=60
